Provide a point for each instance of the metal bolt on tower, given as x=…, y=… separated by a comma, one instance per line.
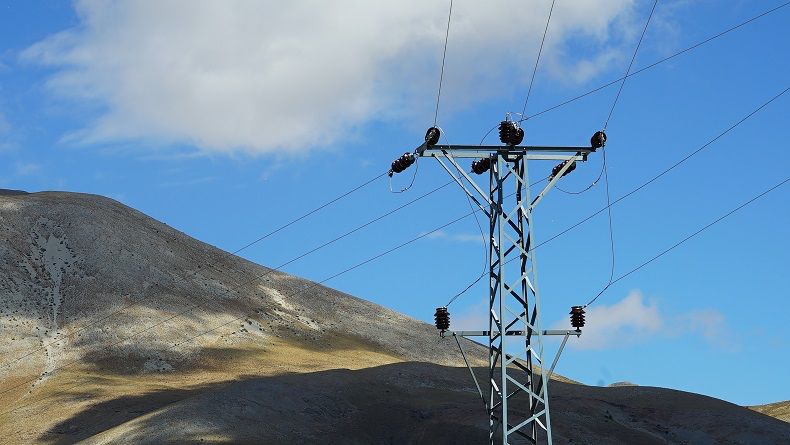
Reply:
x=517, y=400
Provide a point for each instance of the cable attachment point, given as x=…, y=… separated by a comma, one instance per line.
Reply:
x=432, y=136
x=402, y=163
x=577, y=317
x=442, y=318
x=556, y=169
x=481, y=166
x=510, y=133
x=598, y=140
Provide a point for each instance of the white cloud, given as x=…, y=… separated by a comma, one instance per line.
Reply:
x=260, y=76
x=471, y=318
x=631, y=320
x=710, y=324
x=634, y=320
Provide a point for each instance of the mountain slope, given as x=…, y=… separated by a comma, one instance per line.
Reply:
x=116, y=328
x=779, y=410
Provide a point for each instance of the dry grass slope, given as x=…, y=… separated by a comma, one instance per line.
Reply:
x=116, y=328
x=779, y=410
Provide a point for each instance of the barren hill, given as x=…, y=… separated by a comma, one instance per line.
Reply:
x=116, y=328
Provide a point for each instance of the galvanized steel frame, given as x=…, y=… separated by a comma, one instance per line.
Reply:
x=513, y=378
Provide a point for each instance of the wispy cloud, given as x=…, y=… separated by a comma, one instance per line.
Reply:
x=5, y=130
x=461, y=237
x=26, y=168
x=710, y=324
x=4, y=125
x=267, y=76
x=188, y=182
x=635, y=320
x=630, y=320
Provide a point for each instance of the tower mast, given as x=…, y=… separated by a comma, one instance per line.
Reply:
x=517, y=399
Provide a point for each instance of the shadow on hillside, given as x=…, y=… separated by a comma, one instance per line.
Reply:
x=138, y=360
x=105, y=415
x=405, y=403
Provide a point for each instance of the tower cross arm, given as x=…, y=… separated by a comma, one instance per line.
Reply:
x=527, y=151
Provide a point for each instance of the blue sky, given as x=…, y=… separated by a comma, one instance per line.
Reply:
x=227, y=120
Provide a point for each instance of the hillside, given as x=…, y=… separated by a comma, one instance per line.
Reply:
x=116, y=328
x=780, y=410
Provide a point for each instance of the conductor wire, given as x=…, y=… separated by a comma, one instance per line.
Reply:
x=413, y=177
x=444, y=56
x=687, y=238
x=628, y=71
x=535, y=70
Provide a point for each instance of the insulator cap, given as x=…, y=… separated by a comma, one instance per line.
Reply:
x=598, y=140
x=577, y=317
x=481, y=166
x=432, y=136
x=556, y=170
x=442, y=318
x=510, y=133
x=403, y=162
x=519, y=136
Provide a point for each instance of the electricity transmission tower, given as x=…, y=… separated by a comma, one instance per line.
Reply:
x=517, y=399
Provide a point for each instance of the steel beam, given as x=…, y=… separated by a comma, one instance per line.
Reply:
x=517, y=374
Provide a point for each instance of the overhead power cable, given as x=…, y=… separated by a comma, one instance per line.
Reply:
x=485, y=271
x=245, y=315
x=603, y=149
x=221, y=255
x=327, y=204
x=535, y=70
x=653, y=179
x=661, y=61
x=542, y=112
x=444, y=56
x=477, y=221
x=622, y=84
x=672, y=167
x=315, y=284
x=453, y=222
x=687, y=238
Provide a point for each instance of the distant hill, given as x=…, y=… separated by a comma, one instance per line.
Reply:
x=780, y=410
x=116, y=328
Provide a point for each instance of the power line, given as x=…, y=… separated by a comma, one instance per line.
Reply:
x=687, y=238
x=653, y=179
x=245, y=315
x=215, y=257
x=650, y=260
x=308, y=214
x=485, y=272
x=605, y=125
x=661, y=61
x=604, y=170
x=444, y=56
x=632, y=74
x=720, y=135
x=609, y=212
x=535, y=70
x=453, y=222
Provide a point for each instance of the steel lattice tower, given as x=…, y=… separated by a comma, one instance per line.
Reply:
x=517, y=400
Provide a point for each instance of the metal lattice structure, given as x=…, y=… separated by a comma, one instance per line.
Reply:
x=517, y=399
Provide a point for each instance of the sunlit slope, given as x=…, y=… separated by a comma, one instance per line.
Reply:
x=102, y=301
x=116, y=328
x=780, y=410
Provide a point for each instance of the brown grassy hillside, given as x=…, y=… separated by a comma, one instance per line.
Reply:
x=115, y=328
